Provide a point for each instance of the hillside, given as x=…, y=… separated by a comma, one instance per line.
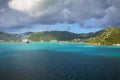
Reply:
x=53, y=35
x=108, y=36
x=6, y=37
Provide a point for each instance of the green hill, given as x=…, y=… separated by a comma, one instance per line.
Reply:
x=6, y=37
x=60, y=36
x=53, y=35
x=108, y=36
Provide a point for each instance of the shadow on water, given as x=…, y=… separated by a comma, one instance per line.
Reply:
x=54, y=65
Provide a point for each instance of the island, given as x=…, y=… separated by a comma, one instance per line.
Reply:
x=107, y=36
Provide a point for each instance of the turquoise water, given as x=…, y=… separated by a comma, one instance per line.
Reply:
x=58, y=61
x=81, y=48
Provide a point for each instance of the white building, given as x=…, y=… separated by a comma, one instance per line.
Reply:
x=25, y=40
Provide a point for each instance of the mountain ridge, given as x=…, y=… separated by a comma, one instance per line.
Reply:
x=107, y=36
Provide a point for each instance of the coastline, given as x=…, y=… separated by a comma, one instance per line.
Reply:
x=114, y=45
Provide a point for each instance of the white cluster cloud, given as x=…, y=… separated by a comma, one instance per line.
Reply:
x=32, y=7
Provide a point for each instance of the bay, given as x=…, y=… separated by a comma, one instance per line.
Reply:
x=58, y=61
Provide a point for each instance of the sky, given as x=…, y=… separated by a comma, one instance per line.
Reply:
x=78, y=16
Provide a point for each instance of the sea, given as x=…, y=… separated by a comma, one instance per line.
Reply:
x=58, y=61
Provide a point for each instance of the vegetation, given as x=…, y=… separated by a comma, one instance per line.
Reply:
x=108, y=36
x=53, y=35
x=6, y=37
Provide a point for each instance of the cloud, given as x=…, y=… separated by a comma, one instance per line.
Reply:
x=32, y=7
x=61, y=10
x=101, y=12
x=78, y=8
x=11, y=18
x=111, y=14
x=66, y=13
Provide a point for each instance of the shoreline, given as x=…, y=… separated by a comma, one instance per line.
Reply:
x=116, y=45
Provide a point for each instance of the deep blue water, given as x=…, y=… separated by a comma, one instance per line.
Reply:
x=58, y=61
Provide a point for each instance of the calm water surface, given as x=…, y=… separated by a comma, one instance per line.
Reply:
x=58, y=61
